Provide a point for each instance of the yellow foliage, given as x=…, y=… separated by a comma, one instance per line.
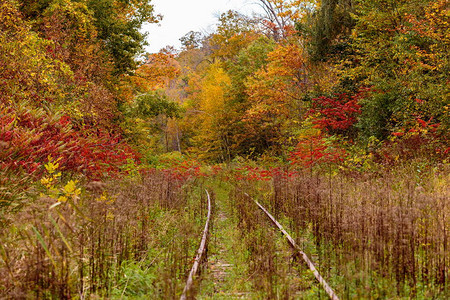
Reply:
x=52, y=166
x=52, y=184
x=212, y=96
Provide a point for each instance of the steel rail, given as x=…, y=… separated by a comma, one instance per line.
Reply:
x=310, y=264
x=200, y=252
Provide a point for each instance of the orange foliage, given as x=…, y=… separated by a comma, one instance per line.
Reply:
x=234, y=33
x=272, y=90
x=157, y=72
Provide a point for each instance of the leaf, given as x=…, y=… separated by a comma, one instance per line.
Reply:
x=60, y=233
x=54, y=205
x=44, y=245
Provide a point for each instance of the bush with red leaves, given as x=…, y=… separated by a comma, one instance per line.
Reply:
x=27, y=138
x=316, y=150
x=424, y=140
x=335, y=115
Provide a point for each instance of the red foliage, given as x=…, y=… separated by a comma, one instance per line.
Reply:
x=337, y=114
x=315, y=150
x=26, y=140
x=424, y=139
x=249, y=173
x=182, y=169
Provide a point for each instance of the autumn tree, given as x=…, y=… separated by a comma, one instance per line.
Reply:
x=401, y=62
x=213, y=136
x=70, y=27
x=118, y=23
x=28, y=71
x=156, y=73
x=281, y=15
x=248, y=61
x=223, y=87
x=98, y=40
x=58, y=94
x=192, y=40
x=234, y=33
x=274, y=93
x=148, y=109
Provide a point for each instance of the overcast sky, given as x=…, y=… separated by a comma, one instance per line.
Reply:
x=182, y=16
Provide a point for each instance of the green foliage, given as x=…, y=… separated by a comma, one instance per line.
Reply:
x=119, y=23
x=376, y=117
x=250, y=59
x=328, y=28
x=192, y=40
x=154, y=104
x=148, y=120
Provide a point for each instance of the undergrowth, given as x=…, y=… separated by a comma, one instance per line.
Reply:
x=119, y=239
x=370, y=235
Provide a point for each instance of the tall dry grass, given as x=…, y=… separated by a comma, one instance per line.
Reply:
x=272, y=271
x=147, y=229
x=393, y=225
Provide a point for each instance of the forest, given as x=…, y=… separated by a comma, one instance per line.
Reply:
x=331, y=114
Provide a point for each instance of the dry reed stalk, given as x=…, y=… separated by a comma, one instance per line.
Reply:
x=395, y=223
x=81, y=252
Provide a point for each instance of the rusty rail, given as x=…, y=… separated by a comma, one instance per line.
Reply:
x=310, y=264
x=200, y=253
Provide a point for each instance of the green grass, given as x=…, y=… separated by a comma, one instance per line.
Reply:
x=249, y=252
x=225, y=248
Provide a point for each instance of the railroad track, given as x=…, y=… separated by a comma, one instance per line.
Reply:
x=200, y=253
x=305, y=257
x=203, y=246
